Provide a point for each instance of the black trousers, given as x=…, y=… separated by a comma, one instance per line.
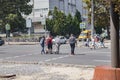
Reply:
x=72, y=48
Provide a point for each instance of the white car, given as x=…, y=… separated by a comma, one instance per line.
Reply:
x=63, y=40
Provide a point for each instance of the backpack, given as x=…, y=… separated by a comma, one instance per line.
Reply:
x=41, y=40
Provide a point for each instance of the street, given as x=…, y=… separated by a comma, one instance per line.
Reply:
x=31, y=53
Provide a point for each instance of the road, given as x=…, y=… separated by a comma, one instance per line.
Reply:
x=31, y=53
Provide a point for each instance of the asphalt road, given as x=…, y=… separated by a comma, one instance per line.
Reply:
x=31, y=53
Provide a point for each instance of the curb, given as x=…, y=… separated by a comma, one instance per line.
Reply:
x=48, y=64
x=21, y=43
x=7, y=76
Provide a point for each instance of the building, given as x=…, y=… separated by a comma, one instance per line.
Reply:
x=42, y=7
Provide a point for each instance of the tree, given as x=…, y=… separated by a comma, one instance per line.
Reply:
x=12, y=10
x=114, y=7
x=99, y=12
x=62, y=24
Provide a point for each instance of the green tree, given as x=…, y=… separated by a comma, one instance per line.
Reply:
x=69, y=24
x=99, y=12
x=62, y=24
x=12, y=10
x=56, y=25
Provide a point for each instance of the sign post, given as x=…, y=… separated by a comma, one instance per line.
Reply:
x=82, y=25
x=29, y=25
x=7, y=27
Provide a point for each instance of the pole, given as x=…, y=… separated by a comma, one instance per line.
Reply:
x=45, y=26
x=92, y=18
x=114, y=22
x=33, y=8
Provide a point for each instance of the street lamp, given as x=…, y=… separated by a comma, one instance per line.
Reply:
x=92, y=18
x=29, y=25
x=43, y=21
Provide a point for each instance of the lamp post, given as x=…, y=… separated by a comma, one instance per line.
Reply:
x=29, y=25
x=45, y=26
x=92, y=18
x=43, y=21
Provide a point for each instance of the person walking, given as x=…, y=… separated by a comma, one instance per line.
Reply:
x=92, y=43
x=49, y=44
x=102, y=42
x=57, y=45
x=42, y=43
x=72, y=41
x=87, y=42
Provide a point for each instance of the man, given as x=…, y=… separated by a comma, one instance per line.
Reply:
x=42, y=43
x=57, y=44
x=72, y=41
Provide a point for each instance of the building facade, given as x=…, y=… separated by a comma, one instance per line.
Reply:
x=42, y=7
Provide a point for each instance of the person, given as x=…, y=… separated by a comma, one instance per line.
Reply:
x=102, y=42
x=72, y=42
x=87, y=42
x=92, y=42
x=57, y=44
x=42, y=43
x=49, y=44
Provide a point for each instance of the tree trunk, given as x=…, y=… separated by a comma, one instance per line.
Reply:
x=115, y=55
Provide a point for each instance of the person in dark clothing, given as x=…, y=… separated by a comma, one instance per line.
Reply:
x=42, y=43
x=102, y=42
x=72, y=41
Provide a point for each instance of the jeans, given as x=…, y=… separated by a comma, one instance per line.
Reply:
x=42, y=49
x=72, y=48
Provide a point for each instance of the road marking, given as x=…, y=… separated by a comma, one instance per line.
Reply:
x=17, y=56
x=47, y=60
x=102, y=61
x=95, y=52
x=53, y=59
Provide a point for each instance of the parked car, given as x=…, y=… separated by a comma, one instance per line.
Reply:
x=1, y=41
x=16, y=34
x=63, y=39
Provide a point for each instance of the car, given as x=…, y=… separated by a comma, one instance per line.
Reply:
x=63, y=39
x=1, y=41
x=84, y=35
x=16, y=34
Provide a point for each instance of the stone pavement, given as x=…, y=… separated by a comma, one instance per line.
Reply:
x=46, y=71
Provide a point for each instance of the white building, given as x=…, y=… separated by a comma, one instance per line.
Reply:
x=42, y=7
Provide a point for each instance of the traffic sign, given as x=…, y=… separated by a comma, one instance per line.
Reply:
x=28, y=23
x=7, y=26
x=82, y=25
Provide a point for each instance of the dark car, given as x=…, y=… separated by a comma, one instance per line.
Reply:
x=1, y=41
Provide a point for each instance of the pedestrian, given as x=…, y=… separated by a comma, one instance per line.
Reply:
x=42, y=43
x=57, y=45
x=87, y=42
x=92, y=42
x=72, y=42
x=102, y=42
x=49, y=44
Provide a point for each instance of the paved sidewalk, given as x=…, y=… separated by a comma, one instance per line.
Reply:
x=46, y=71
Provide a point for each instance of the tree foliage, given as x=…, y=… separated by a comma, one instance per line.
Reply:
x=62, y=24
x=12, y=10
x=101, y=13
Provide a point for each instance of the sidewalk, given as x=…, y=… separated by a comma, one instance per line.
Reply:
x=46, y=71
